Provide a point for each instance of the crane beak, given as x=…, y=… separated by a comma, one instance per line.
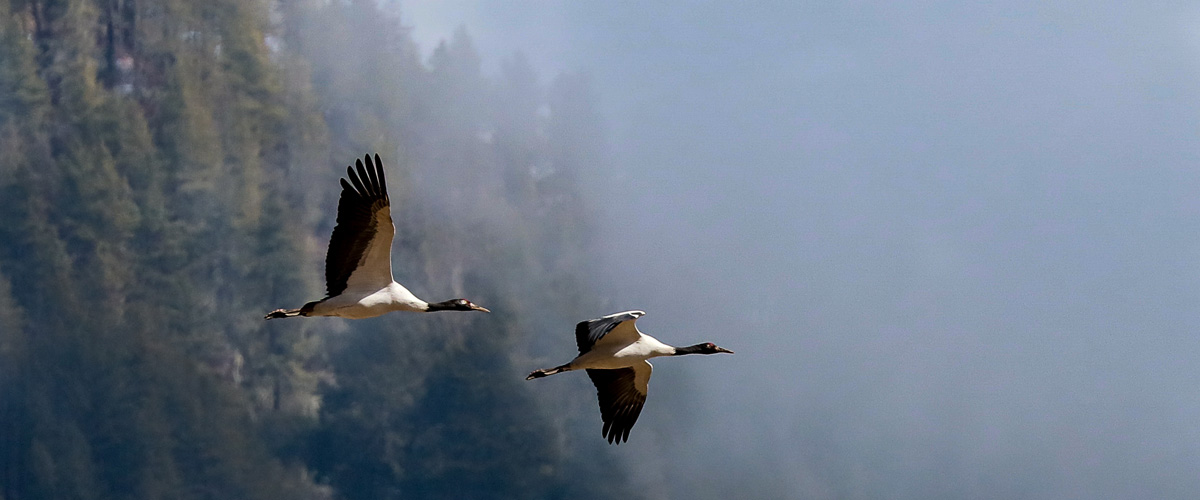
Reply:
x=479, y=308
x=722, y=349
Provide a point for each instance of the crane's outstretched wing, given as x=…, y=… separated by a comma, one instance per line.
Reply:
x=622, y=394
x=360, y=250
x=619, y=326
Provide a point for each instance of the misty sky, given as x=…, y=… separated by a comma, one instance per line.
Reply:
x=954, y=244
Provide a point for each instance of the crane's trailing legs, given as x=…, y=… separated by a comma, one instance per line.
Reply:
x=291, y=313
x=283, y=313
x=546, y=372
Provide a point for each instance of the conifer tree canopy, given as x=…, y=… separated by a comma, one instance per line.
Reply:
x=169, y=171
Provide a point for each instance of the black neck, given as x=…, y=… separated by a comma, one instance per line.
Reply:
x=692, y=349
x=441, y=306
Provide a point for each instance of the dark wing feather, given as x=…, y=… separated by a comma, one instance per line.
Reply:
x=620, y=400
x=587, y=333
x=357, y=222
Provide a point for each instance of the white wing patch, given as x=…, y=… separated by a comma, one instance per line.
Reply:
x=641, y=379
x=624, y=334
x=374, y=271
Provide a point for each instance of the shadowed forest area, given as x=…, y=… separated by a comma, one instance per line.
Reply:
x=169, y=174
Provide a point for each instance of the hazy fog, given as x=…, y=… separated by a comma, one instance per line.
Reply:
x=954, y=245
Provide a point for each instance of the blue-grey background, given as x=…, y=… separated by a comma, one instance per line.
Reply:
x=952, y=244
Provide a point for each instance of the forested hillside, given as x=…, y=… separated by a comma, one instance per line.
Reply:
x=169, y=174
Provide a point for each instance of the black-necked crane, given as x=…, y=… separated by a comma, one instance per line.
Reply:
x=615, y=355
x=358, y=264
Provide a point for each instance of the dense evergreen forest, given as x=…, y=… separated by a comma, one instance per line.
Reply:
x=169, y=174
